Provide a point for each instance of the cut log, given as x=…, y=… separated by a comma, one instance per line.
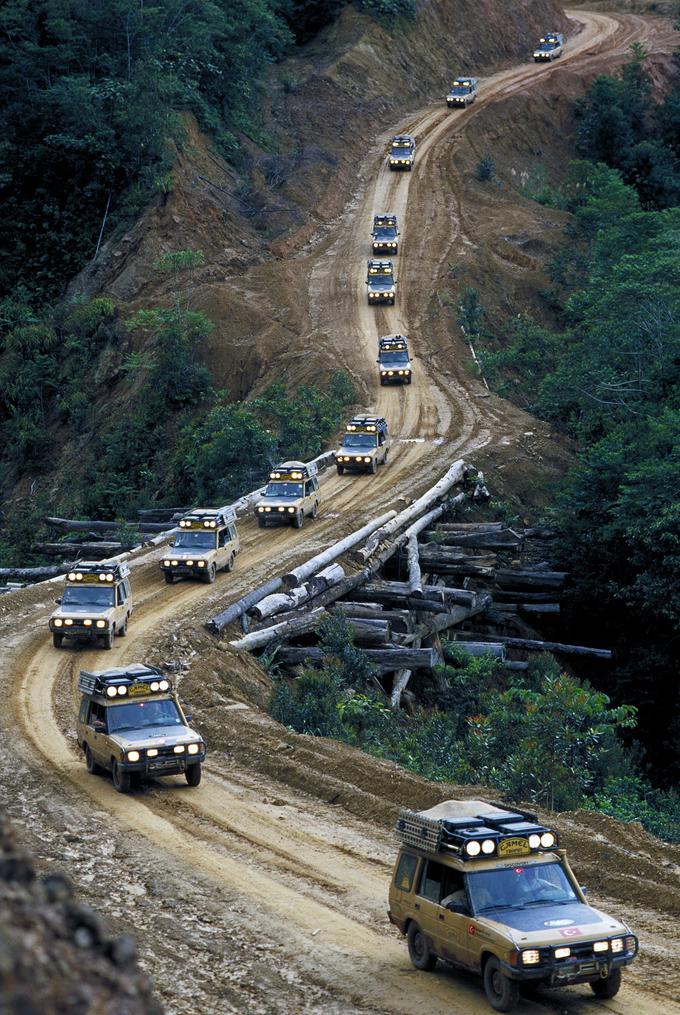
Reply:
x=456, y=615
x=467, y=568
x=505, y=539
x=388, y=591
x=370, y=632
x=218, y=623
x=534, y=645
x=83, y=550
x=468, y=527
x=310, y=567
x=292, y=600
x=401, y=679
x=34, y=574
x=482, y=648
x=401, y=621
x=520, y=596
x=289, y=629
x=508, y=579
x=419, y=507
x=91, y=526
x=539, y=608
x=386, y=660
x=415, y=583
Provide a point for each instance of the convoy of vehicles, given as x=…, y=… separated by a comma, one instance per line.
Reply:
x=463, y=93
x=549, y=48
x=291, y=493
x=365, y=445
x=130, y=723
x=207, y=542
x=489, y=889
x=385, y=235
x=381, y=284
x=394, y=362
x=95, y=605
x=402, y=153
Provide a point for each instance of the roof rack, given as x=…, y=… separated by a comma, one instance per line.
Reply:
x=92, y=572
x=135, y=680
x=403, y=139
x=385, y=220
x=367, y=424
x=208, y=518
x=287, y=471
x=378, y=266
x=485, y=831
x=390, y=343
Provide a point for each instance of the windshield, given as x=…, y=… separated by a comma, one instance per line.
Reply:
x=142, y=714
x=360, y=440
x=195, y=540
x=384, y=232
x=401, y=153
x=547, y=45
x=460, y=90
x=394, y=358
x=518, y=887
x=381, y=280
x=87, y=595
x=283, y=490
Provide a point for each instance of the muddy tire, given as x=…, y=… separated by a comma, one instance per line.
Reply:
x=229, y=566
x=502, y=993
x=169, y=578
x=107, y=639
x=123, y=630
x=193, y=774
x=121, y=780
x=383, y=382
x=341, y=469
x=261, y=522
x=373, y=467
x=609, y=987
x=90, y=764
x=299, y=520
x=315, y=509
x=57, y=639
x=210, y=574
x=419, y=950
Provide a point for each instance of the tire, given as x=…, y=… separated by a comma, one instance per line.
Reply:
x=193, y=774
x=210, y=574
x=419, y=950
x=315, y=510
x=373, y=467
x=408, y=380
x=299, y=520
x=609, y=987
x=502, y=993
x=261, y=522
x=341, y=469
x=121, y=780
x=229, y=566
x=169, y=578
x=57, y=639
x=90, y=764
x=383, y=382
x=123, y=631
x=107, y=639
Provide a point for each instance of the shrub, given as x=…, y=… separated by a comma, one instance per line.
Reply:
x=485, y=169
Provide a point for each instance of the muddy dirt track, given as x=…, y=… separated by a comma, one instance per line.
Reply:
x=264, y=890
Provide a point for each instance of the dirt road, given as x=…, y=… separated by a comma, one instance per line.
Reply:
x=264, y=890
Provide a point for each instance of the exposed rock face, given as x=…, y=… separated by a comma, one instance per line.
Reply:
x=57, y=956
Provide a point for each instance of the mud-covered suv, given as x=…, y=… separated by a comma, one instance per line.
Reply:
x=463, y=93
x=95, y=605
x=489, y=890
x=402, y=153
x=291, y=493
x=380, y=282
x=550, y=47
x=131, y=724
x=394, y=362
x=206, y=542
x=365, y=445
x=385, y=235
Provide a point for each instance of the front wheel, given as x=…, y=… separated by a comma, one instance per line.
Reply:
x=609, y=987
x=210, y=574
x=373, y=467
x=419, y=950
x=121, y=779
x=502, y=993
x=169, y=577
x=315, y=509
x=123, y=631
x=298, y=520
x=341, y=469
x=193, y=774
x=229, y=566
x=57, y=639
x=90, y=763
x=107, y=639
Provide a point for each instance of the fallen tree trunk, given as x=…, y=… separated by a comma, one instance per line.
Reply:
x=93, y=526
x=482, y=648
x=471, y=527
x=506, y=539
x=520, y=596
x=34, y=574
x=298, y=574
x=508, y=579
x=392, y=590
x=539, y=608
x=466, y=568
x=401, y=679
x=289, y=629
x=222, y=620
x=385, y=660
x=371, y=632
x=102, y=549
x=456, y=615
x=534, y=645
x=401, y=621
x=415, y=582
x=292, y=600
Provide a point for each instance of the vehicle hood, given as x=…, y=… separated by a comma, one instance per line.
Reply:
x=356, y=452
x=155, y=736
x=395, y=366
x=384, y=234
x=75, y=611
x=380, y=285
x=551, y=924
x=277, y=502
x=182, y=555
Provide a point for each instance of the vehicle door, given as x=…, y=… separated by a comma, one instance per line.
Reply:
x=120, y=611
x=309, y=496
x=456, y=926
x=233, y=537
x=427, y=904
x=403, y=885
x=97, y=732
x=223, y=547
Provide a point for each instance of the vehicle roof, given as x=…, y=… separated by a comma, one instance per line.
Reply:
x=204, y=516
x=475, y=866
x=87, y=570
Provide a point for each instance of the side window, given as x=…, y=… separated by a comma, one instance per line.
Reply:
x=315, y=484
x=96, y=714
x=232, y=532
x=222, y=537
x=126, y=586
x=431, y=881
x=120, y=594
x=453, y=888
x=405, y=872
x=82, y=716
x=309, y=487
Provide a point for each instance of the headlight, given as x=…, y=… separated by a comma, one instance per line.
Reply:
x=122, y=690
x=401, y=373
x=531, y=957
x=101, y=623
x=617, y=944
x=189, y=563
x=58, y=622
x=390, y=373
x=562, y=953
x=87, y=622
x=193, y=748
x=534, y=841
x=280, y=509
x=630, y=944
x=201, y=563
x=68, y=622
x=390, y=296
x=133, y=756
x=155, y=686
x=473, y=848
x=260, y=509
x=383, y=373
x=488, y=846
x=601, y=946
x=291, y=511
x=174, y=563
x=152, y=752
x=367, y=459
x=267, y=509
x=179, y=749
x=166, y=563
x=111, y=692
x=547, y=840
x=164, y=685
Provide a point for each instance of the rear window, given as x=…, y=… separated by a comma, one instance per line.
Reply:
x=405, y=873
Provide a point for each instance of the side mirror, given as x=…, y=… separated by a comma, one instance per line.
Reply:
x=171, y=541
x=58, y=602
x=189, y=718
x=584, y=889
x=458, y=907
x=98, y=726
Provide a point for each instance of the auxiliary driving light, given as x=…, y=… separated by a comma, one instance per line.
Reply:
x=473, y=848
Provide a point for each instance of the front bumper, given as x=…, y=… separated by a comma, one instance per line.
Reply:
x=385, y=248
x=277, y=517
x=395, y=378
x=184, y=570
x=80, y=632
x=401, y=166
x=456, y=103
x=543, y=57
x=353, y=466
x=565, y=971
x=169, y=765
x=378, y=298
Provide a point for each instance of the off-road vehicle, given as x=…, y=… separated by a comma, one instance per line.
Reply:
x=380, y=282
x=463, y=93
x=206, y=542
x=385, y=235
x=402, y=152
x=96, y=604
x=291, y=493
x=365, y=445
x=393, y=360
x=131, y=724
x=488, y=889
x=550, y=47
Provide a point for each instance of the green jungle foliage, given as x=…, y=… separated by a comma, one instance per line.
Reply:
x=542, y=736
x=611, y=379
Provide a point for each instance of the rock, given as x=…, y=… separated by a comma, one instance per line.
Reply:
x=17, y=867
x=57, y=887
x=82, y=916
x=123, y=950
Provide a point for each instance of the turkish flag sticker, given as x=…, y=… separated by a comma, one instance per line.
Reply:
x=472, y=930
x=571, y=932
